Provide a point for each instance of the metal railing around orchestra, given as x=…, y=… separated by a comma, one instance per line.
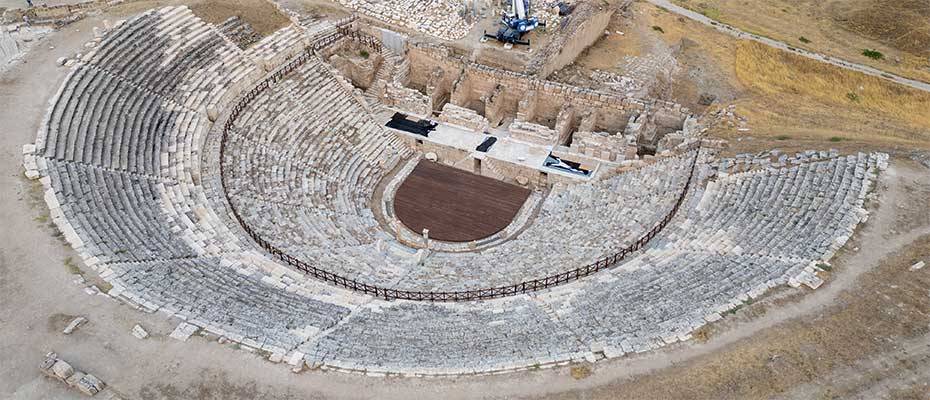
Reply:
x=391, y=294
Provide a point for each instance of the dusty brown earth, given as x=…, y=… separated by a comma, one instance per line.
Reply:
x=898, y=29
x=901, y=24
x=863, y=335
x=262, y=15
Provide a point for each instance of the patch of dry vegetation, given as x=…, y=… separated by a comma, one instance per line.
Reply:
x=900, y=29
x=580, y=372
x=800, y=82
x=264, y=17
x=902, y=24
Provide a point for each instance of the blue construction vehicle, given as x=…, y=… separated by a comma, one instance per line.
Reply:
x=516, y=23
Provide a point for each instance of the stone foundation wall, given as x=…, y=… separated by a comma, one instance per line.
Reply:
x=533, y=133
x=464, y=117
x=614, y=148
x=360, y=71
x=407, y=99
x=537, y=110
x=583, y=28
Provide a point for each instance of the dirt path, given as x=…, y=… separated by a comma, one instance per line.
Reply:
x=38, y=296
x=668, y=5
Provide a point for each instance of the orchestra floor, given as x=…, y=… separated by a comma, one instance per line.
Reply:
x=455, y=205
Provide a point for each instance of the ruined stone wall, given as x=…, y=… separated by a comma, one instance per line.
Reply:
x=472, y=85
x=614, y=148
x=464, y=117
x=582, y=29
x=406, y=99
x=608, y=113
x=361, y=72
x=533, y=133
x=541, y=111
x=512, y=173
x=425, y=59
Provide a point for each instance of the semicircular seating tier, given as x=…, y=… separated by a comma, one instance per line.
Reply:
x=128, y=157
x=303, y=162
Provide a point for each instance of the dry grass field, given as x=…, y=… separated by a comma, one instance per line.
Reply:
x=866, y=108
x=899, y=29
x=263, y=15
x=901, y=24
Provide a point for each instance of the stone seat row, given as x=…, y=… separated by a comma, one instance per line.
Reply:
x=119, y=212
x=564, y=236
x=104, y=121
x=161, y=48
x=237, y=306
x=801, y=211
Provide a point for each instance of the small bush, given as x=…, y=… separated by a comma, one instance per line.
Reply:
x=782, y=137
x=41, y=218
x=873, y=54
x=836, y=139
x=104, y=287
x=734, y=310
x=852, y=97
x=711, y=13
x=702, y=334
x=658, y=29
x=804, y=39
x=72, y=267
x=363, y=53
x=580, y=372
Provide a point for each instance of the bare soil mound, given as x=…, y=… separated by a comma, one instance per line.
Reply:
x=264, y=17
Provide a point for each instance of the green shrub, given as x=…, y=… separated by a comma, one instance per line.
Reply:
x=72, y=266
x=836, y=139
x=804, y=39
x=852, y=97
x=363, y=53
x=711, y=13
x=873, y=54
x=782, y=137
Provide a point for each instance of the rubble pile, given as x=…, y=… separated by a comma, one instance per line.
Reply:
x=441, y=18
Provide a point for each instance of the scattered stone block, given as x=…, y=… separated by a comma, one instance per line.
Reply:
x=183, y=331
x=62, y=370
x=75, y=378
x=296, y=359
x=917, y=266
x=90, y=385
x=139, y=332
x=48, y=362
x=75, y=323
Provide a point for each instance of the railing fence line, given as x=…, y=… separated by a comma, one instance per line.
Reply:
x=391, y=294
